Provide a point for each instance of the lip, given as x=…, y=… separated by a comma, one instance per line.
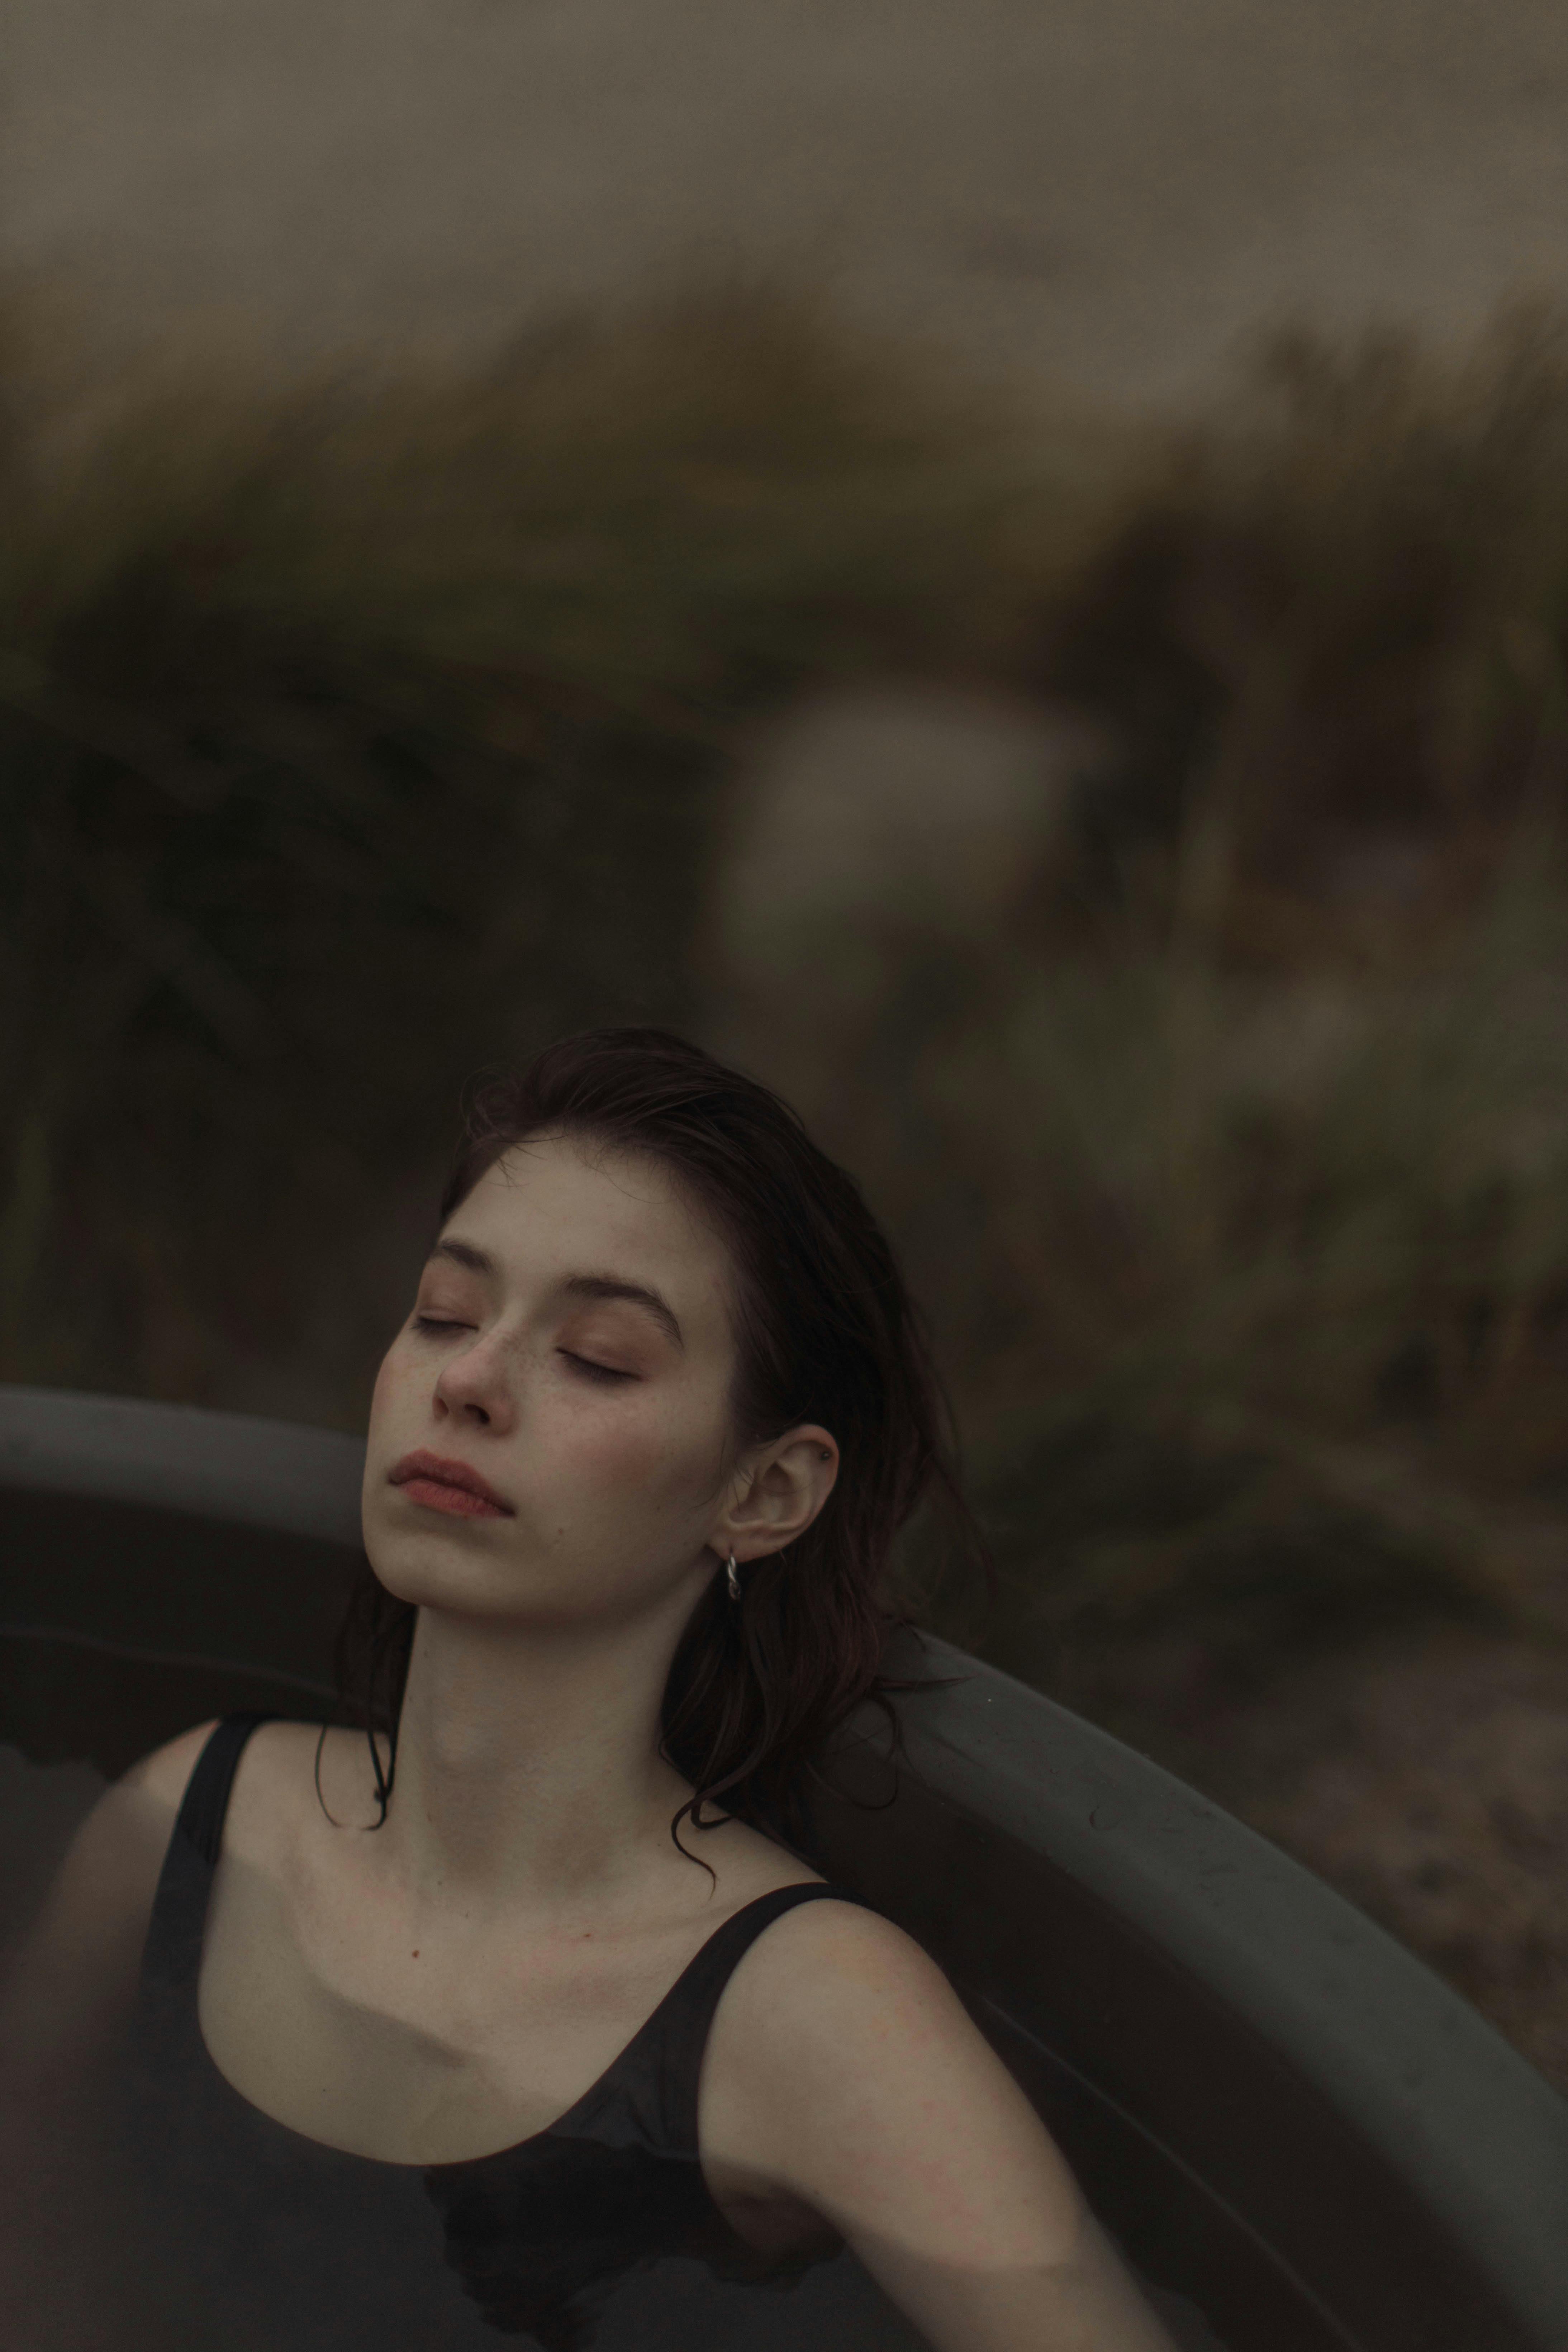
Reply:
x=441, y=1484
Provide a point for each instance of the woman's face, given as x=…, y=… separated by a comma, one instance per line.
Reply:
x=570, y=1353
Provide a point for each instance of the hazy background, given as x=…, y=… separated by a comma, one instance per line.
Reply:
x=1109, y=191
x=1008, y=569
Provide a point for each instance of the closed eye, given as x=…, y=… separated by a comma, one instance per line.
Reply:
x=437, y=1323
x=594, y=1371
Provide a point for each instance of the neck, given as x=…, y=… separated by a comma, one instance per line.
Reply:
x=528, y=1777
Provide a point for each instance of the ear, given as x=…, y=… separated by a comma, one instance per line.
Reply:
x=778, y=1494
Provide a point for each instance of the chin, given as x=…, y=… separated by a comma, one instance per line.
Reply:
x=438, y=1566
x=444, y=1586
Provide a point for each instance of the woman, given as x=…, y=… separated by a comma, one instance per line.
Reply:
x=443, y=2029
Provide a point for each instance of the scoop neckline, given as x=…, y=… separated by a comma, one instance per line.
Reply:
x=514, y=2147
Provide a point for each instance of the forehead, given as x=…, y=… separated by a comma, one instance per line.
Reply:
x=557, y=1203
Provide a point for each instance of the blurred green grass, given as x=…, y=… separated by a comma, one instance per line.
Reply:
x=356, y=735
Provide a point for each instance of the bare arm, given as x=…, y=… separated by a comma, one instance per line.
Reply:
x=869, y=2095
x=68, y=1988
x=73, y=1978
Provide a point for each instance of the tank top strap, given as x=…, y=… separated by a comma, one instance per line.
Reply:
x=679, y=2026
x=201, y=1815
x=171, y=1955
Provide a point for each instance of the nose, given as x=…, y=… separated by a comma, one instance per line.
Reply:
x=474, y=1385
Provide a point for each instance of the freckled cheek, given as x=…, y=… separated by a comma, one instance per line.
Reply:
x=643, y=1458
x=393, y=1382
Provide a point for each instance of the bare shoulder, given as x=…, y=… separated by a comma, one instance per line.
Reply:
x=851, y=2084
x=850, y=2076
x=132, y=1819
x=828, y=1970
x=160, y=1777
x=75, y=1968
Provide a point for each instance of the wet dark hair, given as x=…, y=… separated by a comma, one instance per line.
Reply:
x=824, y=1331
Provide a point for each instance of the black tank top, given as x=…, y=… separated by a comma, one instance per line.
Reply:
x=597, y=2233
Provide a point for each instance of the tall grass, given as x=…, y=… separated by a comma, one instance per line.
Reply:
x=1339, y=619
x=1253, y=1287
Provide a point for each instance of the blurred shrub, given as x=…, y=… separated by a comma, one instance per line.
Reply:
x=1255, y=1291
x=1334, y=634
x=355, y=735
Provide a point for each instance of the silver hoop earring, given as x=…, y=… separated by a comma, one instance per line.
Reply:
x=735, y=1581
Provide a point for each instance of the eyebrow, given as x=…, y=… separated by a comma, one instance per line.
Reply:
x=577, y=1286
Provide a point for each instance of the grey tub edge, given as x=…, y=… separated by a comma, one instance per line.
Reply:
x=1417, y=2070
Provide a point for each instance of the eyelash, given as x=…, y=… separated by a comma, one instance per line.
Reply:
x=602, y=1372
x=595, y=1371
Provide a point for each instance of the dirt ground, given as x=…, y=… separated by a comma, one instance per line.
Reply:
x=1426, y=1778
x=1111, y=191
